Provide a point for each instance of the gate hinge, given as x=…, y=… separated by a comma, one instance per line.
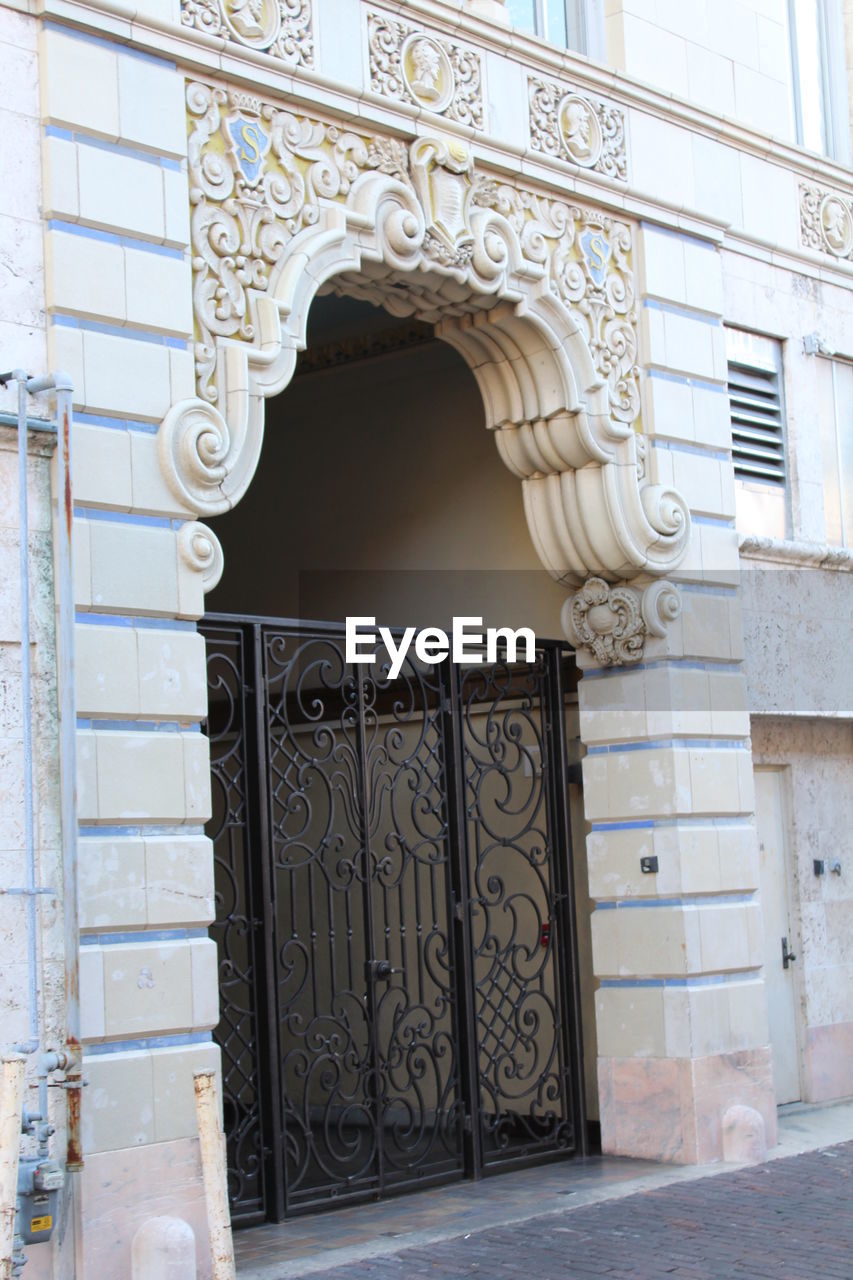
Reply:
x=467, y=1124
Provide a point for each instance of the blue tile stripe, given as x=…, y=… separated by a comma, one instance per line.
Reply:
x=110, y=237
x=721, y=522
x=117, y=148
x=86, y=618
x=118, y=331
x=116, y=424
x=126, y=517
x=641, y=824
x=113, y=45
x=708, y=589
x=696, y=241
x=701, y=980
x=656, y=744
x=666, y=824
x=155, y=829
x=688, y=900
x=698, y=450
x=140, y=935
x=660, y=664
x=703, y=384
x=689, y=313
x=147, y=1042
x=139, y=726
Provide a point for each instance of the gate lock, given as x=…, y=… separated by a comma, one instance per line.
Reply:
x=381, y=969
x=545, y=934
x=39, y=1184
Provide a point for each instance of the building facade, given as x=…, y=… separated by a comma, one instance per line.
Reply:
x=219, y=214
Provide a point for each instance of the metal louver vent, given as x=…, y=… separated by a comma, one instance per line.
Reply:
x=758, y=441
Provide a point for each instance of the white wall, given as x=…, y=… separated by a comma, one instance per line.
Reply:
x=22, y=341
x=730, y=56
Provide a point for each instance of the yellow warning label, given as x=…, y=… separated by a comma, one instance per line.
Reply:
x=41, y=1224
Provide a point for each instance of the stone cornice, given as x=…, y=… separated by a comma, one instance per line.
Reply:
x=120, y=18
x=198, y=52
x=797, y=555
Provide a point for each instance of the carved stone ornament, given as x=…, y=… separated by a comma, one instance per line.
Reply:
x=201, y=550
x=411, y=65
x=826, y=221
x=281, y=28
x=577, y=127
x=535, y=292
x=613, y=622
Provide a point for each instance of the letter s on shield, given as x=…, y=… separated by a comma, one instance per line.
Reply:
x=596, y=252
x=250, y=144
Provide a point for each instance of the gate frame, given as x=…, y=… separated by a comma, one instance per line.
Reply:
x=258, y=880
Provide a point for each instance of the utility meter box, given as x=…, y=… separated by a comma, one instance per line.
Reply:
x=39, y=1184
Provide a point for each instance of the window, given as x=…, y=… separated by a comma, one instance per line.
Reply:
x=758, y=432
x=572, y=24
x=836, y=431
x=819, y=77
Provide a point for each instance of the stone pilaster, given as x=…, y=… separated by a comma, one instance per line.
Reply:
x=118, y=296
x=668, y=788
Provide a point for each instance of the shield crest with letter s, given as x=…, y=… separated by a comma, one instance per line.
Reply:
x=250, y=144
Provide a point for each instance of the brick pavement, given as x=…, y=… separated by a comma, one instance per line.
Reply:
x=790, y=1219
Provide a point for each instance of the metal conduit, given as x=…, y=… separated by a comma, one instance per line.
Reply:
x=69, y=1059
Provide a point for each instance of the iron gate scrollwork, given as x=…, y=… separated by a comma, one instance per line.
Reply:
x=393, y=917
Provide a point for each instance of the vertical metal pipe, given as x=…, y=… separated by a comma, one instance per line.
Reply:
x=26, y=714
x=68, y=773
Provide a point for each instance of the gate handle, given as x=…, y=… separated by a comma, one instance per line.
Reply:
x=787, y=955
x=381, y=969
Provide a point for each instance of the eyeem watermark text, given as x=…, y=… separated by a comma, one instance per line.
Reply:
x=466, y=643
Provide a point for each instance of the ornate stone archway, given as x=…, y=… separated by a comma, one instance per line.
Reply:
x=536, y=293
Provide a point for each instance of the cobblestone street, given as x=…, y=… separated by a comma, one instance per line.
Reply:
x=790, y=1219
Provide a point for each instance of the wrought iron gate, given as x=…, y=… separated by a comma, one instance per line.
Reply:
x=394, y=917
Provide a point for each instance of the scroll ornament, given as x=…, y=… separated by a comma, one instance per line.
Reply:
x=201, y=551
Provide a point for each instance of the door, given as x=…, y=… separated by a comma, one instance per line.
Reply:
x=394, y=918
x=780, y=947
x=364, y=959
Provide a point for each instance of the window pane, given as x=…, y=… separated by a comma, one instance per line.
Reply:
x=575, y=33
x=555, y=22
x=810, y=73
x=522, y=13
x=560, y=22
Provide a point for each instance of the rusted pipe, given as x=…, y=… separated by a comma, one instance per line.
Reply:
x=61, y=383
x=212, y=1147
x=11, y=1104
x=70, y=1058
